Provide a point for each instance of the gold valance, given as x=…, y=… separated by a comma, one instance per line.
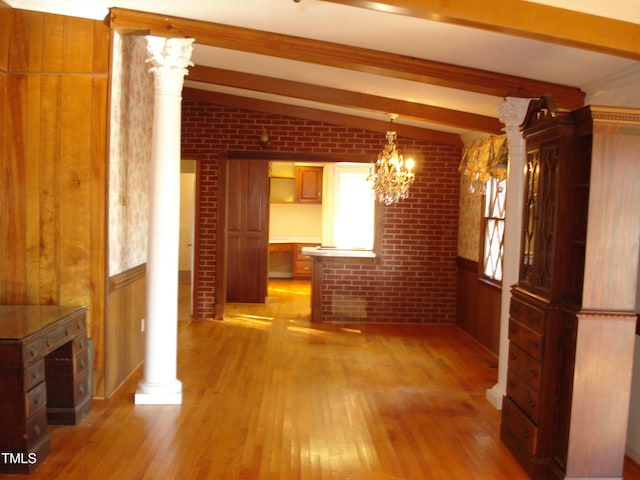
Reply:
x=483, y=159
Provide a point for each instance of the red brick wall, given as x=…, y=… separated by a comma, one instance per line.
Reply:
x=414, y=280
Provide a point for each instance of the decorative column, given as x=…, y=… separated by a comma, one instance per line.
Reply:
x=512, y=112
x=169, y=58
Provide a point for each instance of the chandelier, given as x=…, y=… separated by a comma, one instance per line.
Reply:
x=391, y=175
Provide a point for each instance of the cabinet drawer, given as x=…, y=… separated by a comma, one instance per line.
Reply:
x=526, y=339
x=532, y=317
x=520, y=426
x=527, y=368
x=35, y=399
x=524, y=396
x=302, y=269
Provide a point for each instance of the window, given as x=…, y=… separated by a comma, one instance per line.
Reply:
x=349, y=207
x=493, y=226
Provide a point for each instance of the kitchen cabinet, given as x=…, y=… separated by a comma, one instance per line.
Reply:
x=295, y=184
x=309, y=184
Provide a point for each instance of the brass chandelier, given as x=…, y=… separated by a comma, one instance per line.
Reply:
x=391, y=176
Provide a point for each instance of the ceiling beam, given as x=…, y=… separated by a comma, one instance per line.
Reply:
x=524, y=19
x=319, y=116
x=345, y=98
x=346, y=57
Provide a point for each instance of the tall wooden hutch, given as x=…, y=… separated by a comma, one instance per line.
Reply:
x=573, y=310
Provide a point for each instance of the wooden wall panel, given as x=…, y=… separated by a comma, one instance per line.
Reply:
x=6, y=19
x=16, y=202
x=126, y=307
x=54, y=119
x=478, y=305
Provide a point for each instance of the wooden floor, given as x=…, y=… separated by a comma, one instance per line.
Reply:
x=267, y=395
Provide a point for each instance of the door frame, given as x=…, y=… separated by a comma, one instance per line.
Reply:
x=221, y=238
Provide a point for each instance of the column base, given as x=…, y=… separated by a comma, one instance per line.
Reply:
x=156, y=394
x=495, y=395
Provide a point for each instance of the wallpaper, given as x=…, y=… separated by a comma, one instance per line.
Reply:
x=130, y=153
x=469, y=222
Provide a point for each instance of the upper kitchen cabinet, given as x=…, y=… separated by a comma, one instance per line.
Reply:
x=309, y=184
x=295, y=184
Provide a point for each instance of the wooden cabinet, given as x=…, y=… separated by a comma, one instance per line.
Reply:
x=295, y=184
x=44, y=379
x=546, y=300
x=301, y=264
x=309, y=184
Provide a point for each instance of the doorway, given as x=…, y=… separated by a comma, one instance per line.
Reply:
x=186, y=236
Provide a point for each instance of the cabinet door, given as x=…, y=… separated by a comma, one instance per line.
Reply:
x=309, y=184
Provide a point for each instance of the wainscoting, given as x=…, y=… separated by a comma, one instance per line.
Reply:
x=124, y=337
x=478, y=305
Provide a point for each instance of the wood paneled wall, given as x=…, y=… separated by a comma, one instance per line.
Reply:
x=478, y=305
x=124, y=339
x=53, y=157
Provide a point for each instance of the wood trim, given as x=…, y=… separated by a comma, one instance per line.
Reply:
x=523, y=19
x=342, y=56
x=221, y=241
x=297, y=157
x=335, y=96
x=320, y=116
x=466, y=264
x=123, y=279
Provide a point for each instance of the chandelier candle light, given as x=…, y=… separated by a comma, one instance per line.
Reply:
x=391, y=176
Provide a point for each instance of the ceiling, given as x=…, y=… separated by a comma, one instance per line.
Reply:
x=442, y=69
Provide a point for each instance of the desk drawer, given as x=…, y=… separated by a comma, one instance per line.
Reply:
x=35, y=399
x=32, y=351
x=36, y=427
x=33, y=375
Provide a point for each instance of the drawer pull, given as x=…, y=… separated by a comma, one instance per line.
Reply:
x=526, y=434
x=34, y=351
x=82, y=343
x=35, y=374
x=36, y=401
x=82, y=363
x=534, y=373
x=81, y=389
x=79, y=324
x=37, y=429
x=531, y=403
x=66, y=331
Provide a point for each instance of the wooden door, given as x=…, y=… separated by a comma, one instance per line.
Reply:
x=247, y=230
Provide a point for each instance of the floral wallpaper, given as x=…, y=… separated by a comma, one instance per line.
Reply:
x=469, y=222
x=130, y=153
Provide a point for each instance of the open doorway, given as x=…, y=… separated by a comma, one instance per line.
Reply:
x=187, y=224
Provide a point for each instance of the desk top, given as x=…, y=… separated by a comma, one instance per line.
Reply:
x=20, y=321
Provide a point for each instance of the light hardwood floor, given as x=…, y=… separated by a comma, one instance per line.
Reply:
x=267, y=395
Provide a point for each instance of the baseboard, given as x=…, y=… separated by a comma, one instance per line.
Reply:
x=633, y=452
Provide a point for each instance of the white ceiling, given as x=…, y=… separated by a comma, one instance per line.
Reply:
x=375, y=30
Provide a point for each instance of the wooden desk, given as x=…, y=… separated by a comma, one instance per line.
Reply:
x=44, y=379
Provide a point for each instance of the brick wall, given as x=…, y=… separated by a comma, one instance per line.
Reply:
x=414, y=280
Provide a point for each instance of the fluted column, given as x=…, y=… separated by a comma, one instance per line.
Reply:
x=169, y=59
x=512, y=112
